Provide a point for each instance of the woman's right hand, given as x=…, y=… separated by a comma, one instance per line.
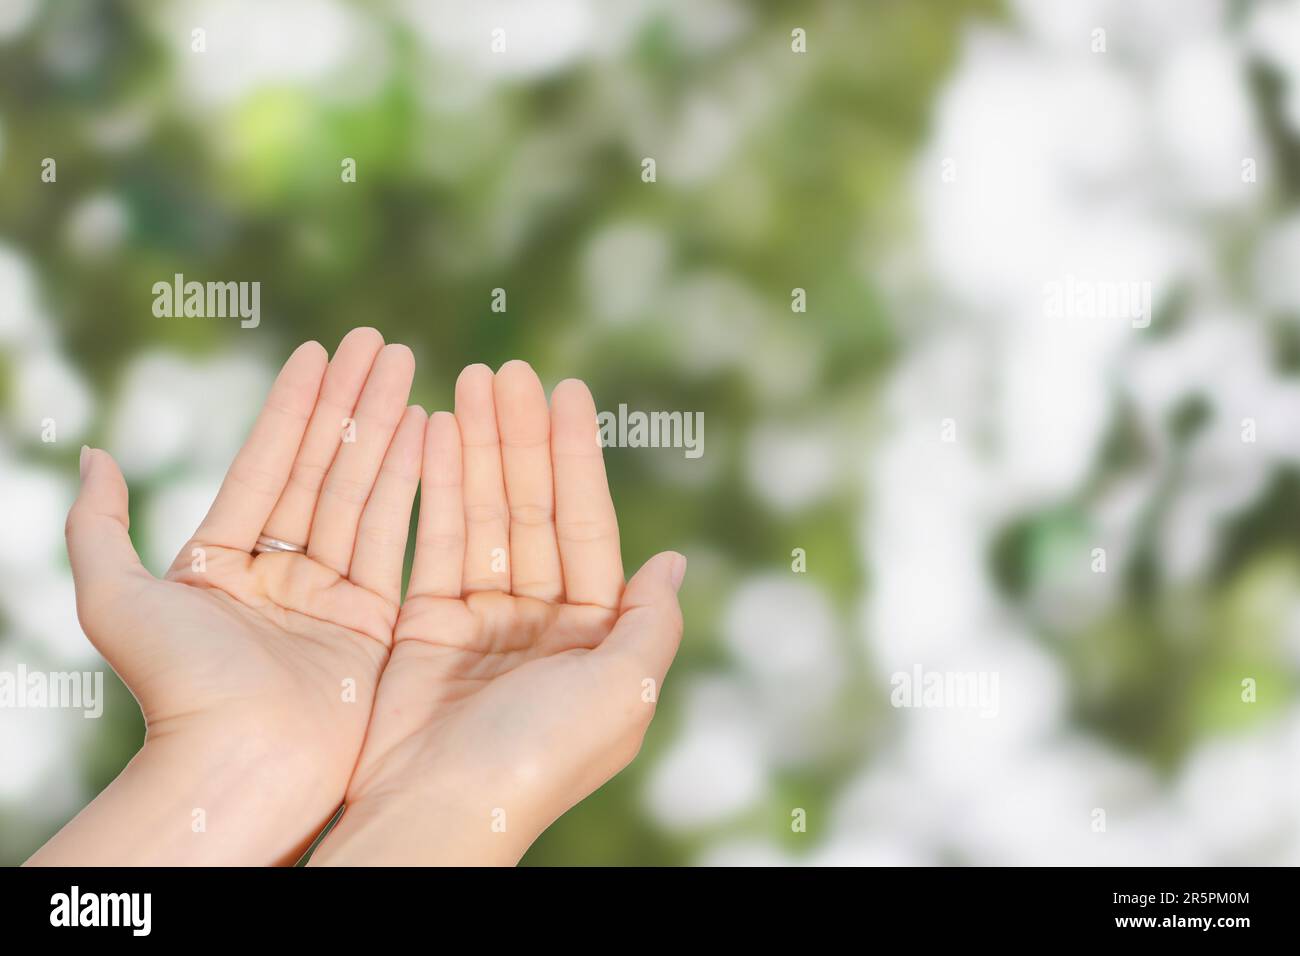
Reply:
x=525, y=672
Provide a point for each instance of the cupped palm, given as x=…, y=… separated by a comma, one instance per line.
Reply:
x=524, y=672
x=278, y=651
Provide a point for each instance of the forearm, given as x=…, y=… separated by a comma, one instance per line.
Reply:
x=184, y=801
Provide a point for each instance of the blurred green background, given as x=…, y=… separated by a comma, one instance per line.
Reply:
x=776, y=170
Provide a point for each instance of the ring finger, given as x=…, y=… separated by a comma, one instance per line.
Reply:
x=344, y=379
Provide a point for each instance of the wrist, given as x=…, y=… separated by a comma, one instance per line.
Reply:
x=193, y=798
x=444, y=829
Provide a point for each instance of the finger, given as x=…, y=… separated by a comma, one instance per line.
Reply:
x=649, y=628
x=585, y=524
x=344, y=379
x=381, y=539
x=352, y=475
x=104, y=562
x=440, y=535
x=524, y=427
x=261, y=469
x=487, y=531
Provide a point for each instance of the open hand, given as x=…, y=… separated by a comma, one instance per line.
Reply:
x=263, y=665
x=524, y=672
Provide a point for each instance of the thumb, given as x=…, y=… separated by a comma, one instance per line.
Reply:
x=649, y=626
x=104, y=563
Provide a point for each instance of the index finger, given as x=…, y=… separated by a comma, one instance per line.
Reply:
x=586, y=526
x=260, y=471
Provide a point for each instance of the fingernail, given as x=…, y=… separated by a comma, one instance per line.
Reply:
x=679, y=571
x=83, y=461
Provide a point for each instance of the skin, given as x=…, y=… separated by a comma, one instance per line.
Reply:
x=239, y=662
x=515, y=688
x=508, y=685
